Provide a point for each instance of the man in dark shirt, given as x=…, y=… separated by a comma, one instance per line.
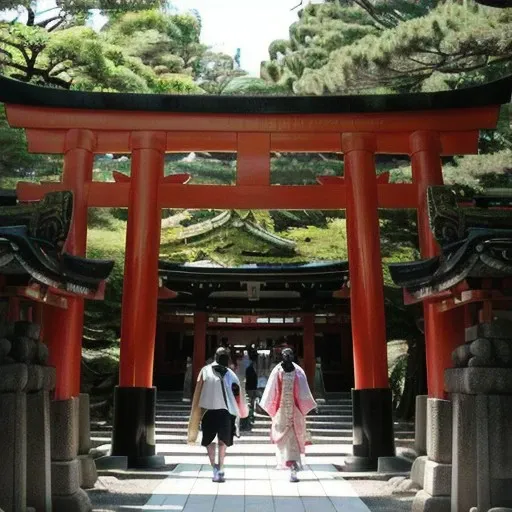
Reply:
x=251, y=387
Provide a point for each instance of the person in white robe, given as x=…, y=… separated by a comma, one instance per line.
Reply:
x=287, y=399
x=217, y=406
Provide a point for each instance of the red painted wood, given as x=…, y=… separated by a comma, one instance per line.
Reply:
x=253, y=159
x=23, y=116
x=63, y=328
x=330, y=196
x=13, y=312
x=52, y=141
x=366, y=281
x=120, y=177
x=443, y=330
x=140, y=290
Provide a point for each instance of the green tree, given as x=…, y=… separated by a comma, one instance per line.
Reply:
x=252, y=86
x=361, y=46
x=216, y=70
x=168, y=43
x=147, y=51
x=16, y=162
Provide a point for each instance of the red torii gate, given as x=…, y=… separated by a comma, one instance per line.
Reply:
x=424, y=126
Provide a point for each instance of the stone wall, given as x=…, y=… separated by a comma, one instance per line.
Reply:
x=481, y=386
x=44, y=443
x=25, y=384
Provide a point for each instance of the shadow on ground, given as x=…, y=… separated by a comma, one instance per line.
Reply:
x=376, y=496
x=112, y=494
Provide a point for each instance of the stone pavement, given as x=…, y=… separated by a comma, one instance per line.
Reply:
x=252, y=482
x=254, y=485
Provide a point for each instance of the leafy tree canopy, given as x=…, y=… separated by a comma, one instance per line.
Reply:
x=360, y=46
x=145, y=51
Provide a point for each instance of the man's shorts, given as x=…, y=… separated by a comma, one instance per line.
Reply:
x=218, y=422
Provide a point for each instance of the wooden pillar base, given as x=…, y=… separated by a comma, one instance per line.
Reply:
x=372, y=419
x=133, y=434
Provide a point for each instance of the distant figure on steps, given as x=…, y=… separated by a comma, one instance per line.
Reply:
x=187, y=382
x=287, y=399
x=217, y=405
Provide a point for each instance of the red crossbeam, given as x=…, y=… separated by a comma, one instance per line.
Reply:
x=228, y=197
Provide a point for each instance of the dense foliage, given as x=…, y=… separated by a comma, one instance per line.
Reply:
x=392, y=46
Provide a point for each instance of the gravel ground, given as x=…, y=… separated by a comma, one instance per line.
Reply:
x=378, y=498
x=111, y=494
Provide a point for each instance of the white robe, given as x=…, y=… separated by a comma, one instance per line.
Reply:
x=287, y=399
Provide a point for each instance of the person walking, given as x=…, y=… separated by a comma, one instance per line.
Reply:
x=217, y=406
x=251, y=387
x=287, y=399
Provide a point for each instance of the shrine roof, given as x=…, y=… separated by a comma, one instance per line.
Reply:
x=305, y=272
x=32, y=237
x=476, y=245
x=21, y=93
x=266, y=288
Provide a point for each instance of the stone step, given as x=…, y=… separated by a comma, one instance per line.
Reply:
x=262, y=421
x=259, y=439
x=181, y=404
x=186, y=413
x=182, y=425
x=186, y=407
x=314, y=419
x=330, y=418
x=260, y=436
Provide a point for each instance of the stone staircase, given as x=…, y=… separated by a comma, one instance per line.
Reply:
x=330, y=428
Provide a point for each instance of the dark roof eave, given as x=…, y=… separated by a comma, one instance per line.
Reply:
x=328, y=271
x=21, y=93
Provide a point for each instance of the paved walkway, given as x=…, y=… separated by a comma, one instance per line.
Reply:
x=254, y=485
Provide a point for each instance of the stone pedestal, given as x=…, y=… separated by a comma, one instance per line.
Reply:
x=88, y=472
x=482, y=473
x=13, y=437
x=420, y=425
x=39, y=494
x=67, y=496
x=433, y=472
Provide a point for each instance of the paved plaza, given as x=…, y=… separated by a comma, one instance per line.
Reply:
x=252, y=482
x=252, y=485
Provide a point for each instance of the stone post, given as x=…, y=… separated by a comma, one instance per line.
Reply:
x=13, y=433
x=420, y=425
x=88, y=473
x=41, y=382
x=481, y=386
x=66, y=472
x=25, y=383
x=436, y=468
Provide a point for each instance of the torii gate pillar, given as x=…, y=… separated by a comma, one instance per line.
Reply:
x=371, y=398
x=133, y=434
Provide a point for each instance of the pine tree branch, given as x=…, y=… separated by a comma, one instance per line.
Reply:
x=31, y=17
x=5, y=52
x=370, y=9
x=18, y=47
x=57, y=25
x=45, y=23
x=43, y=73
